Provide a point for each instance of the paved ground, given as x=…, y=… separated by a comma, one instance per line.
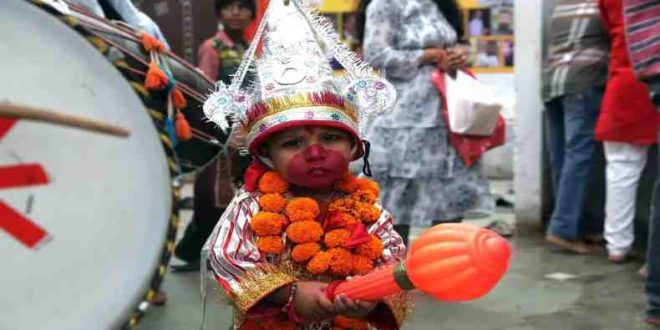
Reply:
x=544, y=289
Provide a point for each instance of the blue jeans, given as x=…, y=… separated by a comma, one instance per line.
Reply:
x=571, y=122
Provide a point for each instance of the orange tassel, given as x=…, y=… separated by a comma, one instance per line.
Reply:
x=151, y=44
x=183, y=131
x=178, y=99
x=155, y=78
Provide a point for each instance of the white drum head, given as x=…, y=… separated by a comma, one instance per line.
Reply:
x=106, y=205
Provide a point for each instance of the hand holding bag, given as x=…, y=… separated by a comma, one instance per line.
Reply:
x=469, y=147
x=472, y=106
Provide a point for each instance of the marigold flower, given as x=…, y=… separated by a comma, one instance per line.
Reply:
x=341, y=261
x=302, y=209
x=267, y=223
x=342, y=205
x=272, y=202
x=350, y=324
x=301, y=253
x=270, y=244
x=367, y=212
x=336, y=238
x=364, y=196
x=368, y=185
x=272, y=182
x=304, y=232
x=362, y=265
x=372, y=250
x=349, y=183
x=319, y=263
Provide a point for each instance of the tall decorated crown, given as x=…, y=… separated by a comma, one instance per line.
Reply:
x=292, y=83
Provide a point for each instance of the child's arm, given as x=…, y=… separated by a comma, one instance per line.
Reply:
x=237, y=263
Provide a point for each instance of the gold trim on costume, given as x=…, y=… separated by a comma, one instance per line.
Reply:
x=401, y=306
x=256, y=284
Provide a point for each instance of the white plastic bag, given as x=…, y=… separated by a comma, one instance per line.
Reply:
x=472, y=106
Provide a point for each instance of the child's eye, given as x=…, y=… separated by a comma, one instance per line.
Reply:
x=331, y=137
x=294, y=143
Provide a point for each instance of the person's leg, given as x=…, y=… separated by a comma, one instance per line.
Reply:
x=205, y=215
x=580, y=115
x=653, y=258
x=625, y=163
x=555, y=139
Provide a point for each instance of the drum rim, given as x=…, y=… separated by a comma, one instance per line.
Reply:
x=172, y=162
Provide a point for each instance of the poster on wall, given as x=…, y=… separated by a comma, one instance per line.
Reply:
x=489, y=29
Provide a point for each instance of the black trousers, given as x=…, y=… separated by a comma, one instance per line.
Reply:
x=205, y=216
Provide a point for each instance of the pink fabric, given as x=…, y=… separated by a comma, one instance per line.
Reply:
x=209, y=62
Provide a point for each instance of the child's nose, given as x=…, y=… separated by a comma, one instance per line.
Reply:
x=315, y=152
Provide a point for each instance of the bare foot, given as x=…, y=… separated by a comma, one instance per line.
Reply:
x=618, y=258
x=159, y=299
x=644, y=271
x=578, y=247
x=653, y=321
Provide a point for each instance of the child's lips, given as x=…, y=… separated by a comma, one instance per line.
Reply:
x=318, y=171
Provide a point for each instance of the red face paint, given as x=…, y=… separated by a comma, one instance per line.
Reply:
x=316, y=167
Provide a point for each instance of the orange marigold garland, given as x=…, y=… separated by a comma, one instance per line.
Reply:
x=372, y=250
x=307, y=233
x=272, y=202
x=362, y=265
x=272, y=182
x=302, y=209
x=304, y=231
x=319, y=263
x=341, y=261
x=367, y=212
x=267, y=223
x=270, y=244
x=343, y=205
x=336, y=238
x=301, y=253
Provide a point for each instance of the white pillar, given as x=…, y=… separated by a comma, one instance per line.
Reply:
x=529, y=107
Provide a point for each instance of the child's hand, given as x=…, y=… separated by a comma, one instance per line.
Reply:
x=354, y=309
x=311, y=303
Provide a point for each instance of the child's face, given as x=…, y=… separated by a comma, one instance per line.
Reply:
x=312, y=156
x=236, y=16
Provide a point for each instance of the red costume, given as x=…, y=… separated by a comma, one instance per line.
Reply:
x=627, y=113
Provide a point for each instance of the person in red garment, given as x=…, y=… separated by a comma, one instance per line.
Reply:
x=627, y=125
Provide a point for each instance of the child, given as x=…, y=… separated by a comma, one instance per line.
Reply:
x=302, y=220
x=220, y=55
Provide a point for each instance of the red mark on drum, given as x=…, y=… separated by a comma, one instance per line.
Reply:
x=20, y=227
x=15, y=224
x=5, y=126
x=22, y=175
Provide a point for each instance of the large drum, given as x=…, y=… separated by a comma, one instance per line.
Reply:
x=87, y=219
x=122, y=43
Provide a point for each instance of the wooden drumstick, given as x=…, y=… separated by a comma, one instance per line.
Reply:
x=31, y=113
